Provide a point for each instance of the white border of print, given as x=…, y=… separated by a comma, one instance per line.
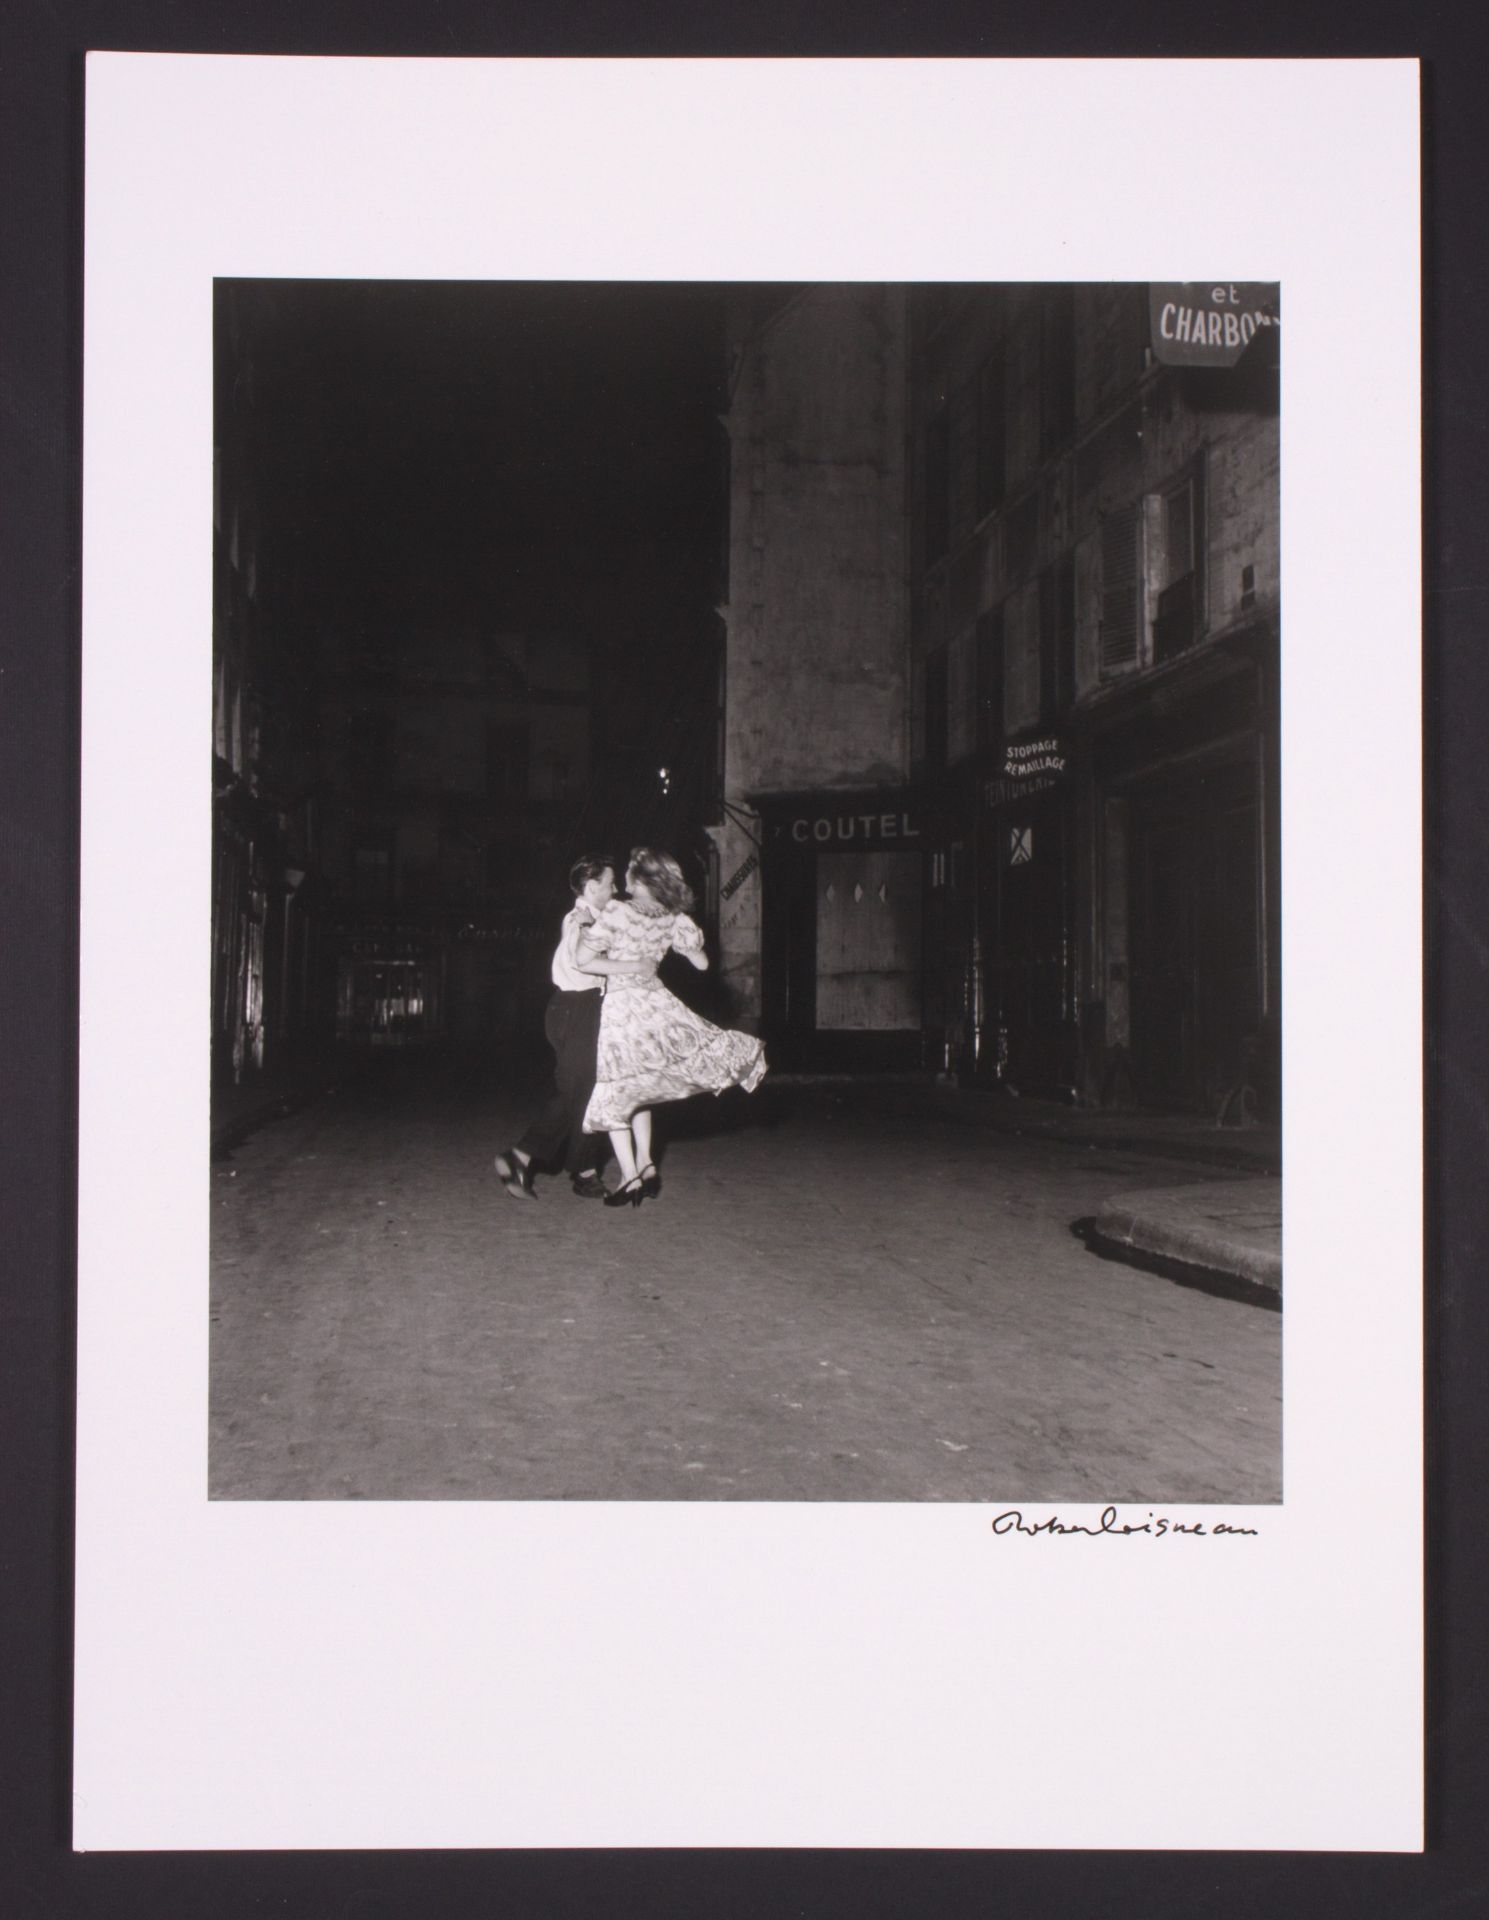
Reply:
x=459, y=1675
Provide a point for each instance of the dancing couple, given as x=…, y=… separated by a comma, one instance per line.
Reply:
x=622, y=1043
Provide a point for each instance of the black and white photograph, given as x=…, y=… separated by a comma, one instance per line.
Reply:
x=745, y=904
x=813, y=717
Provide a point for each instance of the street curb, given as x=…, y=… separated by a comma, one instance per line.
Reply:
x=1131, y=1225
x=233, y=1131
x=1224, y=1286
x=1233, y=1150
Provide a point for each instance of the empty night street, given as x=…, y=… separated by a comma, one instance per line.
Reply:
x=837, y=1297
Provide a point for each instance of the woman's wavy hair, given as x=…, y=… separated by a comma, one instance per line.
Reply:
x=662, y=877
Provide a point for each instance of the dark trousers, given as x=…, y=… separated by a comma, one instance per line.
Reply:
x=572, y=1024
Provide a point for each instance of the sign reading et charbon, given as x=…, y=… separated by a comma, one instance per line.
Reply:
x=1205, y=324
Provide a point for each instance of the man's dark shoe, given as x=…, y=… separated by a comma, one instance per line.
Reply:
x=515, y=1176
x=589, y=1186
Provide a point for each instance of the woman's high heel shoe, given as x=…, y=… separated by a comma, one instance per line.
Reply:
x=630, y=1195
x=651, y=1181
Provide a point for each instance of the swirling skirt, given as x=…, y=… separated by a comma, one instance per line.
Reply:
x=654, y=1049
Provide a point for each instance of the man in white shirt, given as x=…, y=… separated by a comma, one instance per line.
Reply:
x=572, y=1024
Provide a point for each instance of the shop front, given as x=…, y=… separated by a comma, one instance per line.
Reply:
x=1026, y=932
x=390, y=987
x=1186, y=800
x=843, y=879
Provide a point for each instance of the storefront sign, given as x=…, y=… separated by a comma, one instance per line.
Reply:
x=1033, y=766
x=504, y=936
x=998, y=793
x=736, y=880
x=1032, y=757
x=1208, y=324
x=839, y=829
x=386, y=941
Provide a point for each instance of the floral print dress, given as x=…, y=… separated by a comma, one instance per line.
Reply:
x=653, y=1048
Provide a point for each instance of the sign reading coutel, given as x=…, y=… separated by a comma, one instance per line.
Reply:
x=835, y=829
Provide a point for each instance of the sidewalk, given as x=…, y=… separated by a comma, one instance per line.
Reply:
x=1225, y=1231
x=1174, y=1136
x=1228, y=1231
x=238, y=1111
x=1179, y=1136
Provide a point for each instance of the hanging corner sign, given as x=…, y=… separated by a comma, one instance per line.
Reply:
x=1202, y=323
x=737, y=879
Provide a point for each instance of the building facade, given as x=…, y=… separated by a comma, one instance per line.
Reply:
x=822, y=848
x=272, y=967
x=1000, y=708
x=459, y=762
x=1094, y=630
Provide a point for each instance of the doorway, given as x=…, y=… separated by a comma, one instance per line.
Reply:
x=1196, y=962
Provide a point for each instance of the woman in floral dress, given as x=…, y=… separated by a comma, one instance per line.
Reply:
x=652, y=1048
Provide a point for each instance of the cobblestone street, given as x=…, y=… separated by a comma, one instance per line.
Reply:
x=833, y=1299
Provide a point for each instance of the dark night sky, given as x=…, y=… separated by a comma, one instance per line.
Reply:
x=522, y=457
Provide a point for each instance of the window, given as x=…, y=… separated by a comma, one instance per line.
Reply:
x=370, y=752
x=1178, y=538
x=1153, y=567
x=1056, y=369
x=506, y=762
x=375, y=652
x=1121, y=590
x=935, y=708
x=505, y=865
x=932, y=307
x=990, y=681
x=1021, y=660
x=1023, y=391
x=1021, y=536
x=937, y=488
x=962, y=510
x=504, y=664
x=992, y=434
x=961, y=697
x=1120, y=324
x=372, y=872
x=1057, y=638
x=220, y=707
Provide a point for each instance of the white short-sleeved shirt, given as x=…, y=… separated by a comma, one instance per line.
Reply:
x=566, y=971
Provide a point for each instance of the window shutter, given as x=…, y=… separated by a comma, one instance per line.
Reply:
x=962, y=461
x=1178, y=513
x=1057, y=368
x=1021, y=537
x=992, y=433
x=990, y=679
x=1021, y=660
x=935, y=708
x=1057, y=637
x=937, y=488
x=1121, y=588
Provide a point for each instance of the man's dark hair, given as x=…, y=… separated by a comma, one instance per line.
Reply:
x=589, y=866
